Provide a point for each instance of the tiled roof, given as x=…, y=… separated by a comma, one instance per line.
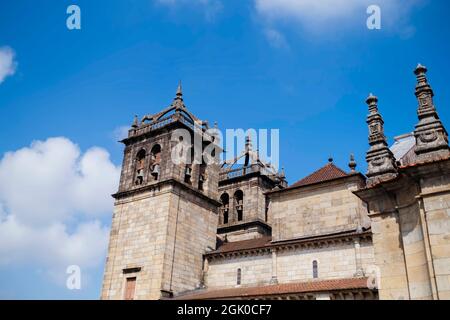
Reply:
x=279, y=289
x=327, y=172
x=244, y=244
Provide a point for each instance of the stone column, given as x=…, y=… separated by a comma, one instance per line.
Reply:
x=436, y=213
x=274, y=279
x=358, y=263
x=203, y=281
x=427, y=246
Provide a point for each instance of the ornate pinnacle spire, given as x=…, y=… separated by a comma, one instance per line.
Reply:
x=179, y=94
x=380, y=160
x=282, y=173
x=431, y=136
x=372, y=103
x=248, y=144
x=352, y=163
x=422, y=82
x=178, y=100
x=248, y=150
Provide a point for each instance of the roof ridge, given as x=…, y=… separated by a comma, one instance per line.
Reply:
x=335, y=166
x=321, y=175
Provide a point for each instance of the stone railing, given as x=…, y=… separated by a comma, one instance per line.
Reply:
x=238, y=172
x=244, y=170
x=144, y=128
x=148, y=127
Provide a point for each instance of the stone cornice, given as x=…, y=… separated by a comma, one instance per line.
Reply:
x=157, y=187
x=239, y=226
x=302, y=243
x=411, y=174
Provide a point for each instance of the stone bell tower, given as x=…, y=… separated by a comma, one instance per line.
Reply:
x=166, y=209
x=243, y=182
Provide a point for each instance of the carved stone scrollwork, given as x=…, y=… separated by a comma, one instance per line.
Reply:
x=428, y=137
x=378, y=162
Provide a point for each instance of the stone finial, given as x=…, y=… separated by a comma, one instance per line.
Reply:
x=248, y=143
x=330, y=160
x=371, y=99
x=420, y=70
x=282, y=173
x=431, y=136
x=178, y=100
x=380, y=160
x=135, y=122
x=179, y=93
x=352, y=163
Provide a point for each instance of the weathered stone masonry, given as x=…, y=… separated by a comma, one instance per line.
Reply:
x=238, y=231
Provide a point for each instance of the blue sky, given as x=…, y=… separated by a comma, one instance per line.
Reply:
x=298, y=66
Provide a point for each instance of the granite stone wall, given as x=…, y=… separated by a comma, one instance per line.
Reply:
x=315, y=210
x=335, y=261
x=163, y=234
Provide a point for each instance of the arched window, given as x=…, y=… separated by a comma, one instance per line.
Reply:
x=225, y=200
x=140, y=164
x=315, y=269
x=188, y=174
x=239, y=276
x=155, y=161
x=239, y=204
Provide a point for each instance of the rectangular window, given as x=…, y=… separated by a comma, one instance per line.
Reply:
x=130, y=288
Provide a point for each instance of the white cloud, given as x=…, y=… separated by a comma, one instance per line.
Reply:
x=52, y=245
x=331, y=14
x=51, y=179
x=307, y=9
x=210, y=7
x=275, y=38
x=51, y=197
x=121, y=132
x=7, y=63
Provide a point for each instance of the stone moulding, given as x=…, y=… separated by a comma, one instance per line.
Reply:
x=294, y=244
x=157, y=187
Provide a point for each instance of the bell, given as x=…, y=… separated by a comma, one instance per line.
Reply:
x=155, y=171
x=188, y=171
x=139, y=177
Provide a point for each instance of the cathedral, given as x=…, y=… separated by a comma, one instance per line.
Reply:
x=236, y=230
